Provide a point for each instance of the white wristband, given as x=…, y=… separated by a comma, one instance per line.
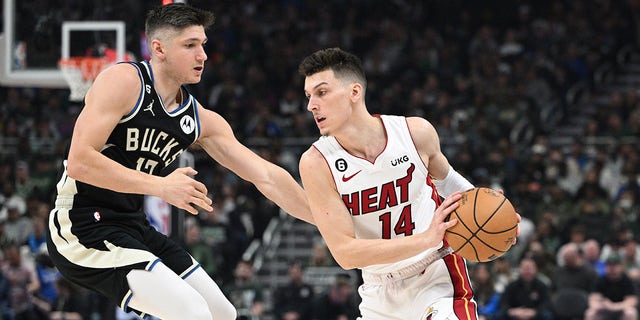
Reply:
x=451, y=183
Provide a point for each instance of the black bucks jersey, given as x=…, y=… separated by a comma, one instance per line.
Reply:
x=97, y=236
x=147, y=139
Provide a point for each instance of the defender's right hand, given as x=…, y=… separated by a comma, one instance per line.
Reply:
x=184, y=192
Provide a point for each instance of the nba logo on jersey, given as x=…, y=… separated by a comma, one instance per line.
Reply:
x=96, y=216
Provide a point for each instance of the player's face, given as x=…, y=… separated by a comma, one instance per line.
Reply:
x=186, y=55
x=328, y=101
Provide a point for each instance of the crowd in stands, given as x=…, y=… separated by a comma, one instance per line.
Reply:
x=478, y=71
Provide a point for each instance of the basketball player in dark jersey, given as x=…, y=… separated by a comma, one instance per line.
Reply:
x=137, y=119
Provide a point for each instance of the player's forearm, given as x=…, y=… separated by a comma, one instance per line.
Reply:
x=284, y=191
x=93, y=168
x=359, y=253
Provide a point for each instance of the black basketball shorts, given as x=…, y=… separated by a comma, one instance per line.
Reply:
x=97, y=247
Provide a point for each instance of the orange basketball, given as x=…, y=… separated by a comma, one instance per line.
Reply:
x=487, y=225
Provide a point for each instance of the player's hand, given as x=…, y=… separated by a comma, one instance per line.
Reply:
x=439, y=223
x=184, y=192
x=515, y=239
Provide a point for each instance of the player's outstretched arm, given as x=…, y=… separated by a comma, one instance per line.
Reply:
x=273, y=181
x=335, y=223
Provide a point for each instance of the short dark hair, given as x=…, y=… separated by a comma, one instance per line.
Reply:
x=344, y=65
x=177, y=16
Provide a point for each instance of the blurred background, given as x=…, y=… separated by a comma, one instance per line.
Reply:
x=538, y=98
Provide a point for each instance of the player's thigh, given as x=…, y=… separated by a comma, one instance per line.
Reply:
x=172, y=255
x=441, y=294
x=377, y=304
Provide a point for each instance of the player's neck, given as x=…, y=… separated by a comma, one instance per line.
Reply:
x=365, y=137
x=166, y=87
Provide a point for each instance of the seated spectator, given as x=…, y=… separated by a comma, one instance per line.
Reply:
x=200, y=250
x=39, y=260
x=320, y=256
x=6, y=311
x=615, y=245
x=631, y=255
x=244, y=292
x=527, y=297
x=577, y=236
x=23, y=283
x=544, y=261
x=614, y=295
x=294, y=301
x=503, y=273
x=546, y=233
x=626, y=209
x=18, y=226
x=484, y=291
x=337, y=303
x=71, y=303
x=591, y=254
x=573, y=273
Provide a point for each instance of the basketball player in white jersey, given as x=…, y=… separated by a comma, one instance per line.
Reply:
x=374, y=185
x=137, y=119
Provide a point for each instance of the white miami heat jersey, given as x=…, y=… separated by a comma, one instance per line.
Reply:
x=389, y=198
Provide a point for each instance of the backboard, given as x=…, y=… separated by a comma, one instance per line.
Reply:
x=38, y=33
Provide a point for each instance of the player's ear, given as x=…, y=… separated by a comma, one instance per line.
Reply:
x=356, y=91
x=157, y=48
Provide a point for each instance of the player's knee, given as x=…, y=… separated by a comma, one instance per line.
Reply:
x=195, y=308
x=198, y=313
x=224, y=310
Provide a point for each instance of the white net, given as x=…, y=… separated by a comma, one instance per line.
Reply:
x=79, y=73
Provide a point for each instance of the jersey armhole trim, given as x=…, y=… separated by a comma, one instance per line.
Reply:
x=138, y=103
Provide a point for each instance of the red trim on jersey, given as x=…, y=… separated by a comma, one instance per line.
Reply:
x=434, y=193
x=463, y=304
x=436, y=198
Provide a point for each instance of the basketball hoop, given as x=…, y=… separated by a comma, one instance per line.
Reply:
x=79, y=73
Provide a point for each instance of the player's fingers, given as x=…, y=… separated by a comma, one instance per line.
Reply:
x=453, y=197
x=202, y=204
x=450, y=223
x=450, y=208
x=518, y=228
x=189, y=208
x=188, y=171
x=449, y=204
x=201, y=200
x=201, y=191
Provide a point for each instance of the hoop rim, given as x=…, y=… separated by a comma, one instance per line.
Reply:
x=79, y=72
x=89, y=66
